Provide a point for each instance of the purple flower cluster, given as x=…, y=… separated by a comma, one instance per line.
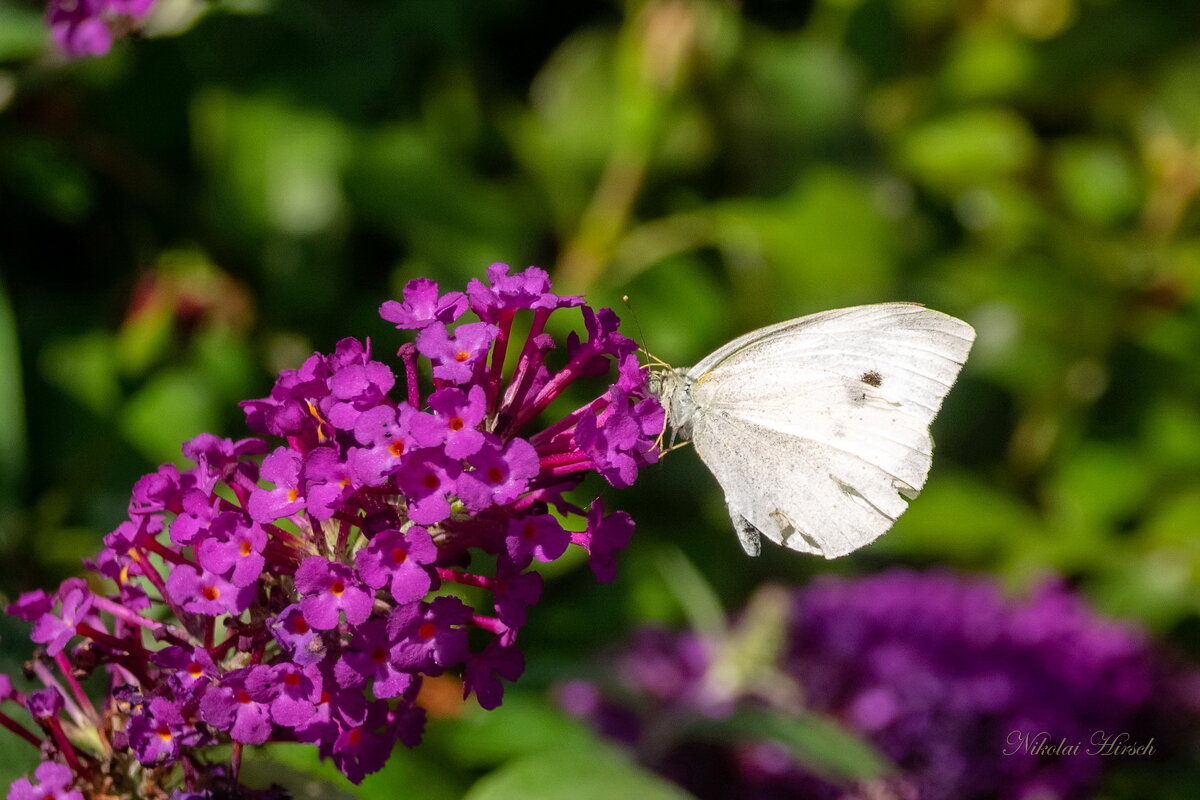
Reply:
x=302, y=590
x=86, y=27
x=967, y=693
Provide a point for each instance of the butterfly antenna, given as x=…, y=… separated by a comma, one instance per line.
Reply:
x=654, y=361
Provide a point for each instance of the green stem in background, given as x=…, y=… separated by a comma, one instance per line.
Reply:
x=12, y=431
x=1174, y=183
x=653, y=59
x=605, y=219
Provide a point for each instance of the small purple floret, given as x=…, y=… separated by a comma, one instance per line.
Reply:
x=456, y=355
x=423, y=306
x=53, y=783
x=328, y=588
x=398, y=560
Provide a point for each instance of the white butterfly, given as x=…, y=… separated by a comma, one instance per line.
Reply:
x=818, y=428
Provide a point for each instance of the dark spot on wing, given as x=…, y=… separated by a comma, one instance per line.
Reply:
x=872, y=378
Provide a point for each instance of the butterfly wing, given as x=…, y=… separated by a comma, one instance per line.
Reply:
x=818, y=428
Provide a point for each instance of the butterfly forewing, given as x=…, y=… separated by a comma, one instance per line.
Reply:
x=816, y=427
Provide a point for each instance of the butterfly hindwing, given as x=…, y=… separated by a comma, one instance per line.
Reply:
x=818, y=428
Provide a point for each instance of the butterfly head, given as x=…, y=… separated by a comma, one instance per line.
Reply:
x=673, y=388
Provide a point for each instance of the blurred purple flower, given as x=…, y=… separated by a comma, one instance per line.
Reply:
x=949, y=679
x=53, y=783
x=82, y=27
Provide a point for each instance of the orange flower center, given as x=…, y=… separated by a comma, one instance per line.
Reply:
x=461, y=356
x=337, y=587
x=399, y=555
x=164, y=733
x=245, y=548
x=456, y=423
x=210, y=592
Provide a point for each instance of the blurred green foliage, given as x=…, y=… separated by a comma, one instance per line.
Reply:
x=208, y=204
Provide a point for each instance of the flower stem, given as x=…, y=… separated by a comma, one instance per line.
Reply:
x=65, y=746
x=555, y=385
x=490, y=624
x=543, y=437
x=527, y=367
x=126, y=614
x=235, y=761
x=499, y=352
x=157, y=582
x=19, y=730
x=165, y=553
x=466, y=578
x=85, y=702
x=408, y=355
x=47, y=678
x=100, y=637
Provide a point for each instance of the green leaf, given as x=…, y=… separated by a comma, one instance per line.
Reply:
x=22, y=32
x=818, y=742
x=598, y=772
x=276, y=166
x=987, y=62
x=402, y=182
x=969, y=147
x=961, y=519
x=50, y=178
x=695, y=595
x=1098, y=486
x=174, y=406
x=526, y=723
x=86, y=368
x=794, y=252
x=298, y=768
x=1097, y=181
